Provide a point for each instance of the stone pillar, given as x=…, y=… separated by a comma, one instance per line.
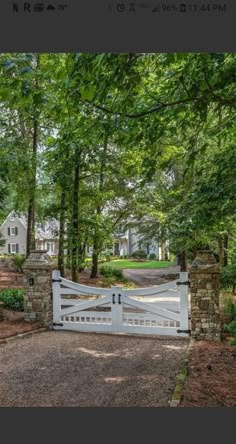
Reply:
x=37, y=280
x=204, y=287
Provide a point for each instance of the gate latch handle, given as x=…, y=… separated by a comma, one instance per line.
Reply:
x=113, y=298
x=119, y=297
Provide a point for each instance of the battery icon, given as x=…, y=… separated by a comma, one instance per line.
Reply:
x=182, y=7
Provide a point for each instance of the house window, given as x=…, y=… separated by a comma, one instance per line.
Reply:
x=50, y=247
x=139, y=245
x=148, y=248
x=13, y=248
x=12, y=231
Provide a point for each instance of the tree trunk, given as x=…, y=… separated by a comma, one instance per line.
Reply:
x=30, y=236
x=96, y=241
x=94, y=272
x=75, y=219
x=226, y=242
x=30, y=224
x=164, y=256
x=183, y=261
x=221, y=250
x=61, y=255
x=81, y=254
x=68, y=255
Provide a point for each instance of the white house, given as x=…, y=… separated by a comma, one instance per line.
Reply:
x=14, y=231
x=127, y=241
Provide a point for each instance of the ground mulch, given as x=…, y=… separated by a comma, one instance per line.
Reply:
x=10, y=279
x=14, y=324
x=211, y=380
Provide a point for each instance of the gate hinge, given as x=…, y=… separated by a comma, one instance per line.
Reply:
x=183, y=283
x=56, y=280
x=184, y=331
x=55, y=324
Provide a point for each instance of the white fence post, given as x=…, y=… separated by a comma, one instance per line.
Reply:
x=113, y=308
x=56, y=296
x=184, y=324
x=119, y=309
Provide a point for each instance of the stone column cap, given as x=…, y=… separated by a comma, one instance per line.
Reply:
x=205, y=261
x=38, y=259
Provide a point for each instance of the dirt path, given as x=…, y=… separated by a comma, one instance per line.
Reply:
x=148, y=277
x=89, y=370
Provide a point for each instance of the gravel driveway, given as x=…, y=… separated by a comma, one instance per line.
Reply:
x=67, y=369
x=153, y=276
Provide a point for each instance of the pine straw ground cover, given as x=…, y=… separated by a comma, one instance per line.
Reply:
x=211, y=380
x=14, y=324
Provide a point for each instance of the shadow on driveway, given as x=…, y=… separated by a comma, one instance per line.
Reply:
x=66, y=369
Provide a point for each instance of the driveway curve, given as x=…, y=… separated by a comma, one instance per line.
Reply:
x=153, y=276
x=66, y=369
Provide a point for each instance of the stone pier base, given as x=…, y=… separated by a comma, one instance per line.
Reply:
x=204, y=286
x=38, y=285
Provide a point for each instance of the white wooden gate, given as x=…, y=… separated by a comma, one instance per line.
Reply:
x=159, y=310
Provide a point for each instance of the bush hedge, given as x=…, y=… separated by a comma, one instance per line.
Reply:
x=228, y=277
x=111, y=272
x=12, y=298
x=139, y=254
x=152, y=256
x=230, y=312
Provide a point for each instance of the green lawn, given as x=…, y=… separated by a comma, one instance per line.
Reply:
x=126, y=263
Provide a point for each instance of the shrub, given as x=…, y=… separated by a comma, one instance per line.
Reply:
x=12, y=298
x=231, y=328
x=228, y=277
x=102, y=261
x=81, y=266
x=152, y=256
x=111, y=272
x=17, y=261
x=139, y=254
x=230, y=309
x=230, y=312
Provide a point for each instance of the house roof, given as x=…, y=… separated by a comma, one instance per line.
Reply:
x=47, y=230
